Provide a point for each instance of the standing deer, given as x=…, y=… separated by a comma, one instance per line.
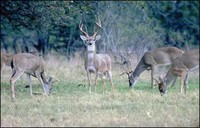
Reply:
x=153, y=59
x=99, y=64
x=31, y=65
x=182, y=66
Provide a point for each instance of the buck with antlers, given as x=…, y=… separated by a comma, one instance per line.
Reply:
x=151, y=60
x=99, y=64
x=31, y=65
x=182, y=66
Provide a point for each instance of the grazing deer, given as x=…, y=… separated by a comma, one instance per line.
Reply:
x=151, y=60
x=99, y=64
x=182, y=66
x=7, y=58
x=31, y=65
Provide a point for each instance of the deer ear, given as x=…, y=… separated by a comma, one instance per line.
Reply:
x=98, y=37
x=83, y=37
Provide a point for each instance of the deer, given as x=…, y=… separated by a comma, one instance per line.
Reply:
x=151, y=60
x=7, y=58
x=98, y=64
x=181, y=67
x=31, y=65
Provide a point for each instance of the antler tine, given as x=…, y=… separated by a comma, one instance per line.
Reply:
x=99, y=25
x=81, y=29
x=122, y=73
x=127, y=72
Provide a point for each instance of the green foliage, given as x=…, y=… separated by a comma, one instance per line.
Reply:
x=180, y=19
x=126, y=25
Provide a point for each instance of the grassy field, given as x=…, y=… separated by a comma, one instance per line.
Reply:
x=70, y=105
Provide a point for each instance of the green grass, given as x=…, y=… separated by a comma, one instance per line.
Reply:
x=70, y=105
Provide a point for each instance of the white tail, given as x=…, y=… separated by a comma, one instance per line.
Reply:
x=182, y=66
x=151, y=60
x=96, y=63
x=31, y=65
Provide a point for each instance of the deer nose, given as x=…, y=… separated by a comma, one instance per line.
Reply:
x=90, y=43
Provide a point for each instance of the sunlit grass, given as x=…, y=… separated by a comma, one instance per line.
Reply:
x=72, y=105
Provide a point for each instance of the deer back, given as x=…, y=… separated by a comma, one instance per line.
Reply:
x=28, y=63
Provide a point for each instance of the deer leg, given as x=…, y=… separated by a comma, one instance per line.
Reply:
x=186, y=82
x=103, y=84
x=13, y=79
x=89, y=80
x=183, y=76
x=110, y=79
x=95, y=82
x=174, y=81
x=41, y=81
x=152, y=72
x=30, y=84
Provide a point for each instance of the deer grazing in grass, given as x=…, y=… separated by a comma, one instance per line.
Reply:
x=99, y=64
x=151, y=60
x=7, y=58
x=31, y=65
x=181, y=67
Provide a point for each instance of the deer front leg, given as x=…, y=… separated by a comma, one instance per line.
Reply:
x=110, y=79
x=42, y=82
x=89, y=80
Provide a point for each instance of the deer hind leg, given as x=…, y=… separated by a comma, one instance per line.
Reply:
x=111, y=82
x=152, y=75
x=103, y=83
x=186, y=82
x=95, y=81
x=183, y=77
x=13, y=79
x=30, y=84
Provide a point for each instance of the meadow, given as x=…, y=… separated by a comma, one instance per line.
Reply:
x=71, y=105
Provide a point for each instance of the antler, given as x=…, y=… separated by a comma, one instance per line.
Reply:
x=127, y=72
x=81, y=29
x=99, y=25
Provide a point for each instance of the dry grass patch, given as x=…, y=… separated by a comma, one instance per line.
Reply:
x=70, y=105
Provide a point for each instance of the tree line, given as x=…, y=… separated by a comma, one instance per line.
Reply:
x=127, y=26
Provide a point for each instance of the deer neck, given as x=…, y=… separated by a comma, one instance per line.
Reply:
x=169, y=77
x=90, y=58
x=139, y=69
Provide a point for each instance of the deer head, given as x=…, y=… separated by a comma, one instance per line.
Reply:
x=128, y=74
x=90, y=40
x=162, y=85
x=48, y=85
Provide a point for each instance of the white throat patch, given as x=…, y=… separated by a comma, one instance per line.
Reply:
x=91, y=48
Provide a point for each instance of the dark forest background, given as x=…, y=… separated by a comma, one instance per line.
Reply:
x=128, y=27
